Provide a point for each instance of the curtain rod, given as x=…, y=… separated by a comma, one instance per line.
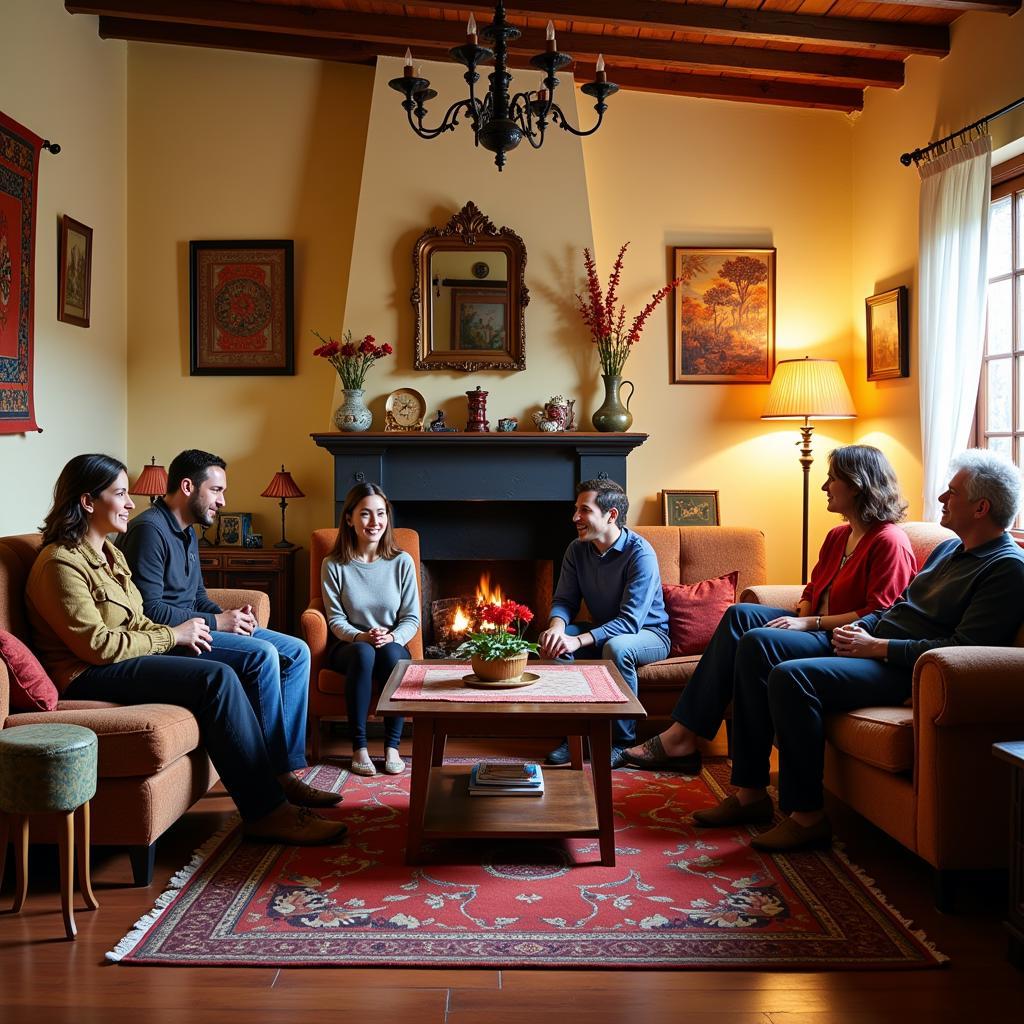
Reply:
x=918, y=154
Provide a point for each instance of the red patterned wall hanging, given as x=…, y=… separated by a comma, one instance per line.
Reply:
x=19, y=164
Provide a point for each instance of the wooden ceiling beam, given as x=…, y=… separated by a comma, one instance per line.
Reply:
x=899, y=37
x=993, y=6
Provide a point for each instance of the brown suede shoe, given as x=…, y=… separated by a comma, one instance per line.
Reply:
x=304, y=795
x=731, y=812
x=788, y=835
x=294, y=826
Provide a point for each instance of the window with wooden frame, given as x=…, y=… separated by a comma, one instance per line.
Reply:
x=1000, y=420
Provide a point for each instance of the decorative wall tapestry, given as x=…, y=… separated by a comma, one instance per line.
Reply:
x=19, y=165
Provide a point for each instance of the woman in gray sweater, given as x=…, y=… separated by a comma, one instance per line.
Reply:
x=372, y=606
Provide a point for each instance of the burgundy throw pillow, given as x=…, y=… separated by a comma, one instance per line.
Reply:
x=31, y=688
x=694, y=611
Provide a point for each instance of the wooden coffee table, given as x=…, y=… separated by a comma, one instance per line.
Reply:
x=573, y=804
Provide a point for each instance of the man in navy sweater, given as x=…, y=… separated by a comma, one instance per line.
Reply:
x=970, y=592
x=163, y=552
x=615, y=571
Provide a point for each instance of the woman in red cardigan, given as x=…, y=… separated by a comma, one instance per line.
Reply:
x=863, y=565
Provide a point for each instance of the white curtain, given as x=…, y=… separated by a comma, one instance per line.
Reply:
x=955, y=195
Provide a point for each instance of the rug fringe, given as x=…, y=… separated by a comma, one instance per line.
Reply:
x=176, y=883
x=869, y=884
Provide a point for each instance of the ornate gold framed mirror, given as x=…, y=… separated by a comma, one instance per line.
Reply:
x=469, y=296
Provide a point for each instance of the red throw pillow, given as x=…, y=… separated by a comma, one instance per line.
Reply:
x=31, y=688
x=694, y=611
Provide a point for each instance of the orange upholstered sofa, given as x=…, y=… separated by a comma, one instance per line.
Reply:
x=151, y=765
x=925, y=773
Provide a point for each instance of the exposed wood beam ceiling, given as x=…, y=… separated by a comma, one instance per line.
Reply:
x=764, y=55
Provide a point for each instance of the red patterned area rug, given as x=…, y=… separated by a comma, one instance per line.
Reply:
x=678, y=897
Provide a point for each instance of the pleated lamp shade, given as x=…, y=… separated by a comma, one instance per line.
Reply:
x=282, y=486
x=152, y=481
x=808, y=388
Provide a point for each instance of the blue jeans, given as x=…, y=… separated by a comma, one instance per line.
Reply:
x=785, y=685
x=274, y=672
x=211, y=691
x=628, y=651
x=362, y=664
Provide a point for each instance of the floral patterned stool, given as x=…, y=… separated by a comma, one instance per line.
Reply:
x=49, y=769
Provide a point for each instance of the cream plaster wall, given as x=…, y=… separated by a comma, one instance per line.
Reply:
x=984, y=72
x=227, y=145
x=64, y=83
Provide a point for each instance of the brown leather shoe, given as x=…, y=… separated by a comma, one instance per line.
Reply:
x=788, y=835
x=294, y=826
x=304, y=795
x=731, y=812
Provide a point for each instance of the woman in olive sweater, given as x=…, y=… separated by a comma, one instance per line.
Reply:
x=372, y=606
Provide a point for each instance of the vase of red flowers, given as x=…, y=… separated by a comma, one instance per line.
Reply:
x=606, y=319
x=352, y=361
x=499, y=649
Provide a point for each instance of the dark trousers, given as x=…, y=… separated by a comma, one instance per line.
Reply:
x=213, y=693
x=785, y=684
x=702, y=704
x=363, y=665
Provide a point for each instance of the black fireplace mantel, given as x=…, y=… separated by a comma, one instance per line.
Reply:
x=488, y=495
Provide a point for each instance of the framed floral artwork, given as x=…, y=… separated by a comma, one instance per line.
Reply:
x=242, y=307
x=888, y=337
x=479, y=319
x=689, y=508
x=723, y=316
x=75, y=279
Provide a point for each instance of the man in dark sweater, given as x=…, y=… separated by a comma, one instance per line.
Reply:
x=970, y=592
x=162, y=550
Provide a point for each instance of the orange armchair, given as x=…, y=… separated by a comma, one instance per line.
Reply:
x=327, y=687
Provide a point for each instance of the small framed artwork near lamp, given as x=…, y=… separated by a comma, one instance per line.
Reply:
x=283, y=487
x=75, y=280
x=806, y=389
x=888, y=336
x=152, y=482
x=689, y=508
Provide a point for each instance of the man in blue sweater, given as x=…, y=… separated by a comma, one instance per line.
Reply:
x=970, y=592
x=163, y=552
x=615, y=571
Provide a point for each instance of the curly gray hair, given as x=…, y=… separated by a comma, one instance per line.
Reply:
x=991, y=476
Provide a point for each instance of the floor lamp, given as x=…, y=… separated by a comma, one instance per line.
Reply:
x=806, y=389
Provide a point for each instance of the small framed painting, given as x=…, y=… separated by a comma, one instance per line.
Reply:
x=234, y=529
x=74, y=286
x=479, y=319
x=242, y=317
x=888, y=336
x=689, y=508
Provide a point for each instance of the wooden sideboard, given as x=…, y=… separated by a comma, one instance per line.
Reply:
x=271, y=570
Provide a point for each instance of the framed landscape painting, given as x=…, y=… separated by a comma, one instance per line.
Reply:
x=75, y=283
x=242, y=318
x=479, y=319
x=723, y=316
x=689, y=508
x=887, y=334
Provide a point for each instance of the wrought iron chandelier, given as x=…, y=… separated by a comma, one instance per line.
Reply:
x=500, y=121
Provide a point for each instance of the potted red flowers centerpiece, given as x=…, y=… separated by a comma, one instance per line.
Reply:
x=606, y=320
x=498, y=651
x=352, y=361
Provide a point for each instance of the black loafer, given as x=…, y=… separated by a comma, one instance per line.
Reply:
x=619, y=758
x=560, y=755
x=656, y=760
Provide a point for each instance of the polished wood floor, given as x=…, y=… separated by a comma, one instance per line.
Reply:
x=44, y=978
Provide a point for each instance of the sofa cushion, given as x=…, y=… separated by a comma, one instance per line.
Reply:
x=882, y=737
x=31, y=688
x=694, y=611
x=134, y=740
x=672, y=673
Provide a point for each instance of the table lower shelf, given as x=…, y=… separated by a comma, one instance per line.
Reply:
x=567, y=807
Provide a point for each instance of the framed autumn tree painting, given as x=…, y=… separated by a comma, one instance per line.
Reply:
x=723, y=316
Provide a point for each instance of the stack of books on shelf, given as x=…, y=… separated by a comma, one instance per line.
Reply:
x=490, y=779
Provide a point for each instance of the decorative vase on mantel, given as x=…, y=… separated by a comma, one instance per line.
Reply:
x=352, y=416
x=613, y=416
x=496, y=670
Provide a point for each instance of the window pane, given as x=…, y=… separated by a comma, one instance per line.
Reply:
x=1019, y=202
x=1020, y=310
x=999, y=418
x=1019, y=426
x=999, y=237
x=1003, y=445
x=1000, y=317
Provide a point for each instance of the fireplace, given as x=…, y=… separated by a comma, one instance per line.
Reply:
x=482, y=503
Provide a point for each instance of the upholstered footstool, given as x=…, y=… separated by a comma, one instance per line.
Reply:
x=49, y=769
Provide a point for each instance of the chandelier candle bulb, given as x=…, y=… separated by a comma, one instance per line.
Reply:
x=549, y=38
x=602, y=75
x=471, y=36
x=407, y=70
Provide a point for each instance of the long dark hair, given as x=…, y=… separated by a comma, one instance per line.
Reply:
x=868, y=472
x=345, y=546
x=66, y=522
